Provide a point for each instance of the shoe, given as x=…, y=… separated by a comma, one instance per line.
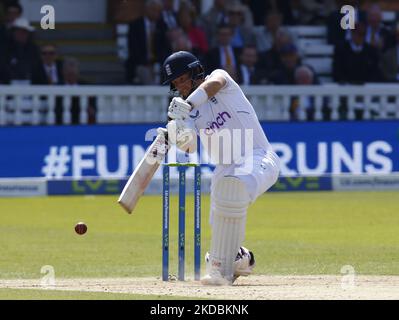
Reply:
x=242, y=266
x=244, y=263
x=215, y=278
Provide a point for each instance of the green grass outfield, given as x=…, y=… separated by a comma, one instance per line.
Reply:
x=290, y=234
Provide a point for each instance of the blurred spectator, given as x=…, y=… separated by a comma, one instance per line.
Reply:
x=148, y=45
x=390, y=61
x=315, y=12
x=186, y=19
x=289, y=11
x=249, y=72
x=355, y=61
x=303, y=76
x=214, y=17
x=308, y=12
x=71, y=75
x=173, y=34
x=247, y=13
x=377, y=35
x=169, y=16
x=2, y=11
x=3, y=64
x=71, y=72
x=13, y=11
x=270, y=60
x=223, y=56
x=335, y=34
x=179, y=40
x=217, y=14
x=242, y=35
x=3, y=36
x=265, y=35
x=2, y=25
x=290, y=59
x=50, y=70
x=292, y=12
x=3, y=43
x=305, y=12
x=21, y=55
x=260, y=8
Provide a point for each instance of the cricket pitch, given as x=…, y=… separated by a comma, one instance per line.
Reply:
x=256, y=287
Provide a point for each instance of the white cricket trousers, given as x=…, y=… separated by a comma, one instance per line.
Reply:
x=259, y=171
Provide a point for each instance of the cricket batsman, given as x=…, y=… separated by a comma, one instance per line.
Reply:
x=212, y=107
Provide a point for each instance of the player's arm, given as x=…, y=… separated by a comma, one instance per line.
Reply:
x=208, y=88
x=180, y=109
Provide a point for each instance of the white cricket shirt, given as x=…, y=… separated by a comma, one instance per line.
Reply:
x=228, y=125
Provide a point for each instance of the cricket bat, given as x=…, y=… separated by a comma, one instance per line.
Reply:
x=143, y=173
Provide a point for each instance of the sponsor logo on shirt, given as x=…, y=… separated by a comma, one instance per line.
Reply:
x=195, y=116
x=217, y=123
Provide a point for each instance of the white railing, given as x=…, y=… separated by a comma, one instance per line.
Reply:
x=114, y=104
x=145, y=104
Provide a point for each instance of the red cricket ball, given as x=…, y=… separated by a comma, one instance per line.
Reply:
x=81, y=228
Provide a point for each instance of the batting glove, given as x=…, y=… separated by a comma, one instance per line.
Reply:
x=179, y=109
x=181, y=135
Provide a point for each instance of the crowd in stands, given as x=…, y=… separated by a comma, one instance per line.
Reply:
x=22, y=60
x=251, y=41
x=247, y=38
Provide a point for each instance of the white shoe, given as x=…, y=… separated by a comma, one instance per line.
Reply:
x=214, y=278
x=242, y=266
x=244, y=263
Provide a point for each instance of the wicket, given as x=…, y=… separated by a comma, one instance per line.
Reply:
x=182, y=167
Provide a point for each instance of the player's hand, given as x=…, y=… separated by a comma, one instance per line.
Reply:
x=163, y=131
x=179, y=109
x=175, y=129
x=180, y=134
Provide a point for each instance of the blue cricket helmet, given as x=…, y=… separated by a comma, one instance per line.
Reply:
x=180, y=63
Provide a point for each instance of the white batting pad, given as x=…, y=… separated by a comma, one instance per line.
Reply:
x=230, y=201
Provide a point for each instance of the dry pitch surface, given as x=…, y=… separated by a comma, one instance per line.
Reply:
x=257, y=287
